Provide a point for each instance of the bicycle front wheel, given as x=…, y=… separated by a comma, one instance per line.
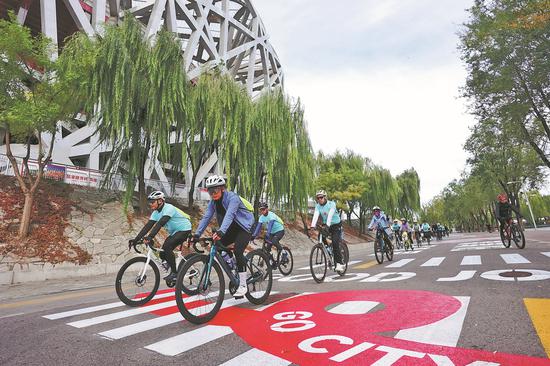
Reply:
x=318, y=263
x=378, y=251
x=207, y=288
x=505, y=241
x=389, y=251
x=285, y=260
x=259, y=277
x=518, y=236
x=137, y=283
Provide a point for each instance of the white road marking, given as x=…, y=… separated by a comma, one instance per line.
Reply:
x=514, y=258
x=461, y=276
x=433, y=262
x=546, y=254
x=444, y=332
x=256, y=357
x=128, y=330
x=353, y=307
x=92, y=309
x=400, y=276
x=400, y=263
x=184, y=342
x=350, y=263
x=471, y=260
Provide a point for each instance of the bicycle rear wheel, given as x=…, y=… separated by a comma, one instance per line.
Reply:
x=208, y=290
x=259, y=277
x=131, y=287
x=378, y=251
x=344, y=253
x=505, y=241
x=285, y=260
x=518, y=236
x=318, y=263
x=389, y=251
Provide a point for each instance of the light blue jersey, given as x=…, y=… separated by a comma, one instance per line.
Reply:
x=179, y=220
x=324, y=211
x=277, y=222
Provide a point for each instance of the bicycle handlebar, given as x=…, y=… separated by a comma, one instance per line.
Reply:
x=208, y=241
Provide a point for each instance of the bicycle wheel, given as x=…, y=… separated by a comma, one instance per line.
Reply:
x=518, y=236
x=378, y=251
x=285, y=260
x=259, y=277
x=389, y=251
x=185, y=259
x=208, y=292
x=318, y=263
x=131, y=287
x=344, y=253
x=505, y=241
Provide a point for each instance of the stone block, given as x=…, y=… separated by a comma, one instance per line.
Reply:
x=6, y=278
x=28, y=276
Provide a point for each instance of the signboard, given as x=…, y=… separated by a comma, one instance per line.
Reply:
x=54, y=172
x=77, y=176
x=5, y=166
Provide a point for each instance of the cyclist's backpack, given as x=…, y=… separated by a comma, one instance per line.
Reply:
x=247, y=204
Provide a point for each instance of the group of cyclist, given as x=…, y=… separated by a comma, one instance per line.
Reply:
x=237, y=225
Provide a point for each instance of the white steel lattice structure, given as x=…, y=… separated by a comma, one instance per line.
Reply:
x=224, y=33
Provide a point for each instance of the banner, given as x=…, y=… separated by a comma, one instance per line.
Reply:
x=76, y=176
x=54, y=172
x=5, y=166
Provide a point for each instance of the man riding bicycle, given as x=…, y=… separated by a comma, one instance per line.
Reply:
x=503, y=211
x=379, y=220
x=235, y=220
x=275, y=229
x=176, y=222
x=405, y=228
x=327, y=210
x=416, y=229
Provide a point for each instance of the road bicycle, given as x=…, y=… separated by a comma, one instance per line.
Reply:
x=322, y=256
x=418, y=238
x=512, y=231
x=428, y=236
x=383, y=245
x=200, y=286
x=398, y=240
x=284, y=261
x=407, y=242
x=138, y=280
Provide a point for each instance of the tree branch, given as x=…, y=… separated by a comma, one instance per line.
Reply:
x=13, y=161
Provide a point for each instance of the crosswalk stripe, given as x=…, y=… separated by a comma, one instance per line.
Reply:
x=514, y=258
x=256, y=357
x=132, y=329
x=444, y=332
x=400, y=263
x=471, y=260
x=433, y=262
x=92, y=309
x=128, y=313
x=546, y=254
x=184, y=342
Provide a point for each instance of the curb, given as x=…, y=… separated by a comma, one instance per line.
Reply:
x=19, y=276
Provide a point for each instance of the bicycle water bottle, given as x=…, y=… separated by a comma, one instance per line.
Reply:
x=227, y=258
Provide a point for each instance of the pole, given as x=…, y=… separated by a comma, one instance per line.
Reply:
x=530, y=210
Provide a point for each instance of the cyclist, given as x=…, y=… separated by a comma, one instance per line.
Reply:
x=426, y=229
x=275, y=229
x=405, y=228
x=327, y=210
x=235, y=220
x=396, y=229
x=416, y=229
x=503, y=211
x=176, y=222
x=379, y=219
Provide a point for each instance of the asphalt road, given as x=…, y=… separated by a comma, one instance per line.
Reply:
x=463, y=299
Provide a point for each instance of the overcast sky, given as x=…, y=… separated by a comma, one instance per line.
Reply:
x=379, y=77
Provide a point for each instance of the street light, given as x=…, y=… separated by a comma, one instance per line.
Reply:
x=528, y=203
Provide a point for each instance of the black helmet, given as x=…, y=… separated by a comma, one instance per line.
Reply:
x=263, y=205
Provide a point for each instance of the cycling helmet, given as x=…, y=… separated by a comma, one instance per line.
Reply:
x=263, y=205
x=215, y=181
x=156, y=195
x=403, y=219
x=502, y=197
x=321, y=193
x=376, y=208
x=396, y=221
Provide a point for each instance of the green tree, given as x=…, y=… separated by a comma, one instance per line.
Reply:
x=36, y=92
x=137, y=90
x=409, y=193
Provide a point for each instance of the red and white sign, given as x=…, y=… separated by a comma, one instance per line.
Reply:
x=353, y=327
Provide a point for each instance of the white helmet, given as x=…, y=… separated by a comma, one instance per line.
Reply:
x=156, y=195
x=376, y=208
x=215, y=181
x=321, y=192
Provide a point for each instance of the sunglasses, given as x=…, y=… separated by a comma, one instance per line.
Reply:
x=213, y=190
x=320, y=197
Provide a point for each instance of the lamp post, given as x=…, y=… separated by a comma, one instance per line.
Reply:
x=528, y=203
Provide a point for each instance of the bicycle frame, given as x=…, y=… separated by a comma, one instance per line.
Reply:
x=329, y=255
x=154, y=255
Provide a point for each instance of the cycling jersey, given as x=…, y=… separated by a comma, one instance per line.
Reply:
x=179, y=220
x=416, y=227
x=405, y=227
x=396, y=227
x=273, y=223
x=425, y=227
x=327, y=212
x=235, y=211
x=379, y=221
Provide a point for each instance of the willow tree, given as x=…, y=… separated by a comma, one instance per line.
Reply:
x=383, y=190
x=409, y=192
x=137, y=88
x=35, y=93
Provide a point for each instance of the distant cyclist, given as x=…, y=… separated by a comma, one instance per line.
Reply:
x=379, y=220
x=396, y=228
x=275, y=229
x=405, y=228
x=176, y=222
x=426, y=230
x=416, y=229
x=235, y=220
x=327, y=210
x=503, y=211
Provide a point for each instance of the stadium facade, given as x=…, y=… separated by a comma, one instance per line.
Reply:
x=226, y=33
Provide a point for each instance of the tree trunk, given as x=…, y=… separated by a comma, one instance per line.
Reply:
x=24, y=227
x=191, y=193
